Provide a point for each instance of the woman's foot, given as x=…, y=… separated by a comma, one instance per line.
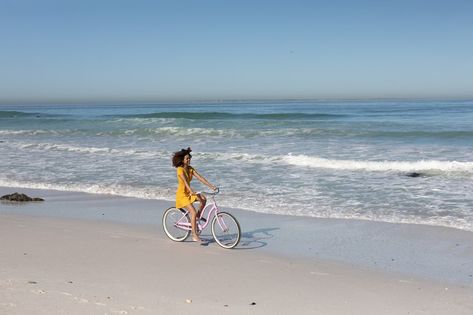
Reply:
x=196, y=239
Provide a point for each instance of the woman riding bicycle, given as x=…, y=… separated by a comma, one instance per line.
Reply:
x=185, y=196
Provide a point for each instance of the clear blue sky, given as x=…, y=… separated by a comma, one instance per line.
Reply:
x=81, y=51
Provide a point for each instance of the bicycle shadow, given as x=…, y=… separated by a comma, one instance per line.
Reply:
x=251, y=239
x=256, y=239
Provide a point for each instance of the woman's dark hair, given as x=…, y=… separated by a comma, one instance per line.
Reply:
x=178, y=157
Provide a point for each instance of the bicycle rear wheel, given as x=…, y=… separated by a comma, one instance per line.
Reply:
x=226, y=230
x=175, y=222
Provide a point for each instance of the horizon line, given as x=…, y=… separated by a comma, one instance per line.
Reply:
x=226, y=100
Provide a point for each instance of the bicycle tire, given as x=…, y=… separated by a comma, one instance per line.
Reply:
x=226, y=230
x=170, y=218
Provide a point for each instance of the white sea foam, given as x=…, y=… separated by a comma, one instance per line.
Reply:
x=140, y=121
x=429, y=166
x=242, y=157
x=110, y=189
x=107, y=150
x=173, y=131
x=252, y=205
x=184, y=132
x=78, y=149
x=379, y=166
x=27, y=132
x=434, y=166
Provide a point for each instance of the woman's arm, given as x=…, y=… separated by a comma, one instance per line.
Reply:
x=183, y=178
x=203, y=180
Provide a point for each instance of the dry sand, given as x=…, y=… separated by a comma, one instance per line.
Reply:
x=51, y=263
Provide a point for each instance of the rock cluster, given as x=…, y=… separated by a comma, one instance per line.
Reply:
x=19, y=197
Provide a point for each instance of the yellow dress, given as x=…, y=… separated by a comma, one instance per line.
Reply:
x=183, y=196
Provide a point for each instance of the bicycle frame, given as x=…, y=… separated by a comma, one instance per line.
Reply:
x=214, y=210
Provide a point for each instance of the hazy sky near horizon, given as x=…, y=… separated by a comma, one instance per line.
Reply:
x=66, y=50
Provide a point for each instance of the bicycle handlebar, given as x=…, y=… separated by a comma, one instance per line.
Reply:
x=209, y=193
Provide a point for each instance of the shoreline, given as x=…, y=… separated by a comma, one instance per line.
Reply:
x=5, y=188
x=78, y=253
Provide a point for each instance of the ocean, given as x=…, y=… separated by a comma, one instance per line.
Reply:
x=391, y=161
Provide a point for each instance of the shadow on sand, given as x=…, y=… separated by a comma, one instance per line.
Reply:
x=249, y=240
x=256, y=238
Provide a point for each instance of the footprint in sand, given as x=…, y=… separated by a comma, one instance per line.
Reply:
x=39, y=292
x=5, y=283
x=316, y=273
x=81, y=300
x=122, y=312
x=118, y=236
x=8, y=304
x=266, y=262
x=405, y=281
x=137, y=308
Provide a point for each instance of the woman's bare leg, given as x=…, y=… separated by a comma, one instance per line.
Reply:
x=202, y=201
x=193, y=213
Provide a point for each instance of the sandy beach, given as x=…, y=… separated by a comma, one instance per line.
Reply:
x=77, y=253
x=339, y=135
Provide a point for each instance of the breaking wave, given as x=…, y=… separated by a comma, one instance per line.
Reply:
x=79, y=149
x=424, y=166
x=380, y=166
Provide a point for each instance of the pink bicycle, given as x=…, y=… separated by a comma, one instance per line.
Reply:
x=225, y=228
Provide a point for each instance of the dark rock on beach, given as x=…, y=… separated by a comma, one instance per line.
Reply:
x=414, y=174
x=19, y=197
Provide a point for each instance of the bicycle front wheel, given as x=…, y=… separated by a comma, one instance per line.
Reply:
x=176, y=224
x=226, y=230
